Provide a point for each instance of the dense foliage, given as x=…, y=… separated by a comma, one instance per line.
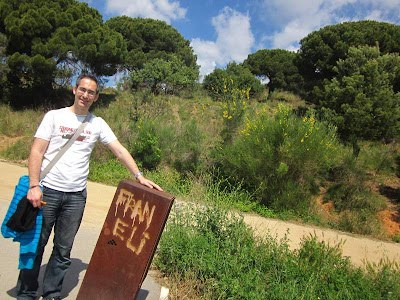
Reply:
x=279, y=159
x=218, y=257
x=3, y=65
x=48, y=39
x=362, y=98
x=321, y=50
x=235, y=76
x=278, y=67
x=169, y=76
x=148, y=39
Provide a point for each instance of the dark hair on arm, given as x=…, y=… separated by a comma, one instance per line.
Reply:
x=89, y=76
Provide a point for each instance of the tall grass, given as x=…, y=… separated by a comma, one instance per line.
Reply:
x=215, y=253
x=19, y=123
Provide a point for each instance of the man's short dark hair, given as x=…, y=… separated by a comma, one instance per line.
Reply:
x=89, y=76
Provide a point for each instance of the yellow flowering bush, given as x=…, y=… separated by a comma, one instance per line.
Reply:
x=280, y=158
x=233, y=106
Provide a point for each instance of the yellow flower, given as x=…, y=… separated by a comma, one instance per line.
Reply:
x=302, y=140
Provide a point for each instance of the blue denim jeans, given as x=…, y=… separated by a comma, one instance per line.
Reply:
x=64, y=211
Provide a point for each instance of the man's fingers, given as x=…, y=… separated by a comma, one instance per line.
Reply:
x=150, y=184
x=158, y=187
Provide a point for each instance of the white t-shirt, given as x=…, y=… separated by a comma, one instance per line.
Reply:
x=70, y=173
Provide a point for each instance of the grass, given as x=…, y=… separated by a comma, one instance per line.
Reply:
x=19, y=123
x=215, y=253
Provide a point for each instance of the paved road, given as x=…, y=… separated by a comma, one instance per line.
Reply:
x=98, y=202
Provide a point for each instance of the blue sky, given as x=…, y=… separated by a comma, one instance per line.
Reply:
x=221, y=31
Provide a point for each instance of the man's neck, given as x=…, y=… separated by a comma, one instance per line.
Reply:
x=78, y=110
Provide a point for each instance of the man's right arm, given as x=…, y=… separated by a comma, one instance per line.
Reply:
x=35, y=162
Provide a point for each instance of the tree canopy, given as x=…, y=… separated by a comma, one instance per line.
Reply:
x=361, y=98
x=235, y=76
x=3, y=65
x=160, y=75
x=278, y=66
x=320, y=50
x=45, y=36
x=148, y=39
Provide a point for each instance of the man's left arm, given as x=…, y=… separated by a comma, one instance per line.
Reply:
x=127, y=160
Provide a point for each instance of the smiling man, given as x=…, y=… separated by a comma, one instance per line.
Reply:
x=64, y=187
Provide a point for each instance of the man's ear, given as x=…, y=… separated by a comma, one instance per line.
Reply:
x=97, y=97
x=74, y=90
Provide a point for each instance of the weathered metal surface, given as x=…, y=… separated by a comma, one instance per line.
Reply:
x=127, y=242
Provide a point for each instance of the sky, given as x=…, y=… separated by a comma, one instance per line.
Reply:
x=221, y=31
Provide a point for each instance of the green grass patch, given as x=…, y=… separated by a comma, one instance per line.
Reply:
x=215, y=252
x=19, y=123
x=19, y=150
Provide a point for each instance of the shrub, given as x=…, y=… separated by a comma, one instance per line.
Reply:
x=188, y=151
x=362, y=97
x=234, y=77
x=378, y=157
x=353, y=200
x=165, y=75
x=215, y=253
x=234, y=104
x=280, y=158
x=145, y=146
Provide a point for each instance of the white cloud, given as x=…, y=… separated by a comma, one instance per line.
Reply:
x=296, y=19
x=234, y=41
x=165, y=10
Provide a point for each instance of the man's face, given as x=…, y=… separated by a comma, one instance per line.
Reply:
x=85, y=94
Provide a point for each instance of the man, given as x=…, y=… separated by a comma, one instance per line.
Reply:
x=64, y=187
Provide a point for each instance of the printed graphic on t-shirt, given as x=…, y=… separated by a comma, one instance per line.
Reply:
x=68, y=132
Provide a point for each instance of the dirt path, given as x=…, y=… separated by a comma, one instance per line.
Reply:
x=358, y=248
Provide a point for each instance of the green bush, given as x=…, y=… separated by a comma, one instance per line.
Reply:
x=234, y=77
x=188, y=151
x=234, y=103
x=363, y=98
x=216, y=254
x=159, y=75
x=362, y=221
x=145, y=146
x=110, y=171
x=281, y=158
x=355, y=203
x=378, y=157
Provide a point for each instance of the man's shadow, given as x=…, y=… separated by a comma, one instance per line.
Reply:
x=71, y=279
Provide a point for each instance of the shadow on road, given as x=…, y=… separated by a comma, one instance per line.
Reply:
x=71, y=280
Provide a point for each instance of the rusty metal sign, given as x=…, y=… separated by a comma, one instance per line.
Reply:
x=127, y=243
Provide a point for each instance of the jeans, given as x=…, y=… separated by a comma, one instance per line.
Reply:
x=64, y=211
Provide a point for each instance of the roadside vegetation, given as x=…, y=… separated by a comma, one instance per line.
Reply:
x=207, y=252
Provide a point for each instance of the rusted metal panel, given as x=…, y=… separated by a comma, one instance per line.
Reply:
x=127, y=243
